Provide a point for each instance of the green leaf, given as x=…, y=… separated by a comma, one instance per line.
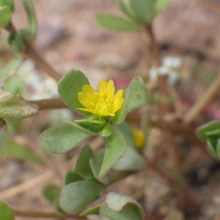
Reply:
x=125, y=6
x=131, y=160
x=80, y=128
x=17, y=42
x=9, y=3
x=115, y=149
x=143, y=9
x=29, y=8
x=10, y=67
x=91, y=211
x=106, y=131
x=5, y=16
x=121, y=207
x=15, y=85
x=82, y=165
x=125, y=129
x=138, y=95
x=3, y=137
x=211, y=126
x=95, y=164
x=122, y=113
x=75, y=197
x=215, y=133
x=162, y=5
x=62, y=139
x=91, y=124
x=68, y=88
x=72, y=177
x=52, y=193
x=6, y=212
x=18, y=151
x=14, y=107
x=116, y=23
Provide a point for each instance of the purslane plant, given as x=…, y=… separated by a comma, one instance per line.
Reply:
x=104, y=111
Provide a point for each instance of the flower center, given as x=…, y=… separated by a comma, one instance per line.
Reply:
x=103, y=105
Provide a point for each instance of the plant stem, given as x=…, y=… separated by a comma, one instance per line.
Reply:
x=205, y=99
x=155, y=46
x=31, y=52
x=41, y=214
x=44, y=104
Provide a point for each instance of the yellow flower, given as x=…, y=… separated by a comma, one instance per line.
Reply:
x=138, y=137
x=104, y=102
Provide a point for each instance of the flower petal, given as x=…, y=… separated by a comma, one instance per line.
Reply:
x=117, y=100
x=87, y=99
x=102, y=86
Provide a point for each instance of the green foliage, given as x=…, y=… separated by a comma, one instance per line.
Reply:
x=83, y=166
x=115, y=148
x=72, y=177
x=5, y=16
x=69, y=86
x=131, y=160
x=140, y=13
x=82, y=129
x=14, y=107
x=62, y=139
x=75, y=197
x=116, y=23
x=10, y=67
x=6, y=212
x=17, y=42
x=92, y=124
x=91, y=211
x=210, y=133
x=52, y=193
x=21, y=152
x=143, y=9
x=29, y=8
x=95, y=164
x=121, y=207
x=161, y=5
x=3, y=137
x=138, y=95
x=9, y=3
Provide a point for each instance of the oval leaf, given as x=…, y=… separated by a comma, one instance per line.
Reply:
x=95, y=164
x=143, y=9
x=121, y=207
x=209, y=127
x=75, y=197
x=21, y=152
x=62, y=139
x=52, y=193
x=72, y=177
x=115, y=149
x=131, y=160
x=14, y=107
x=6, y=212
x=82, y=165
x=139, y=94
x=68, y=88
x=116, y=23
